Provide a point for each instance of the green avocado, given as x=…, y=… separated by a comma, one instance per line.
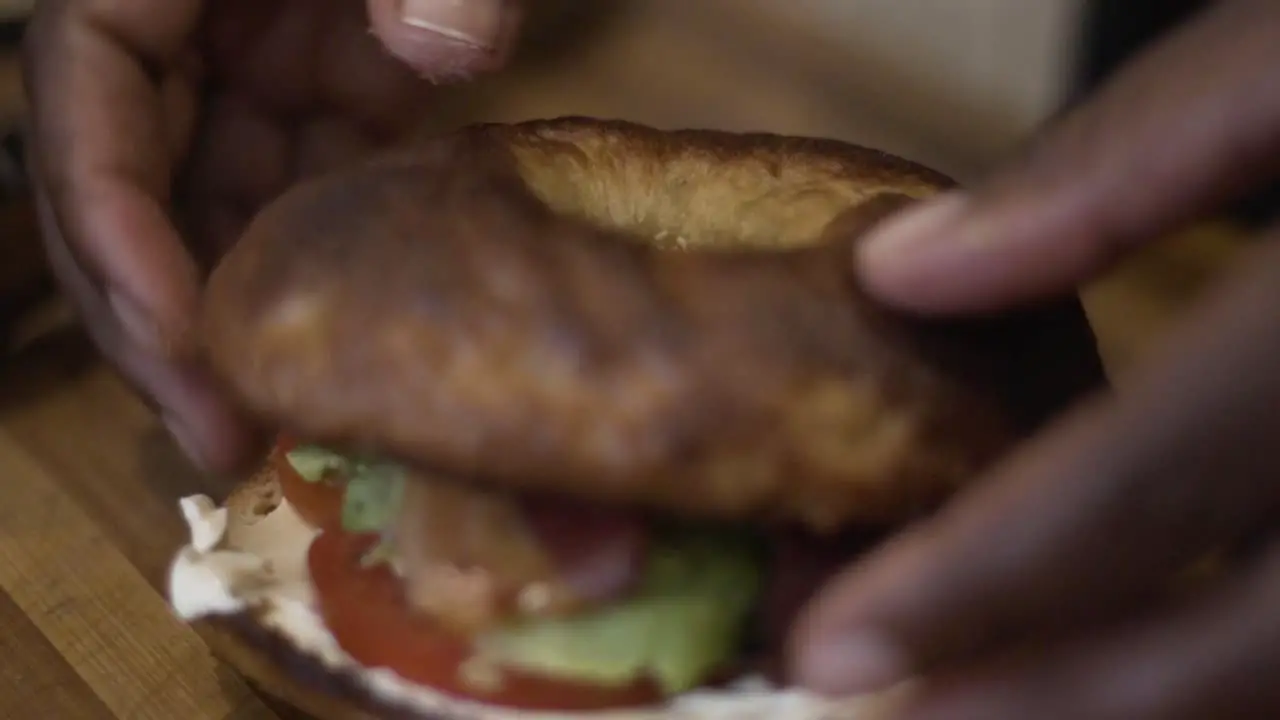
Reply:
x=685, y=622
x=373, y=490
x=314, y=463
x=372, y=497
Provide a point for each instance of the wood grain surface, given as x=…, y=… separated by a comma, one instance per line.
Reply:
x=89, y=484
x=87, y=526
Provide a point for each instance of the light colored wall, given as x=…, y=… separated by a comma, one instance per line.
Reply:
x=952, y=83
x=969, y=78
x=1005, y=53
x=955, y=83
x=15, y=8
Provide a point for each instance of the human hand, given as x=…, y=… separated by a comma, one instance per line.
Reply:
x=160, y=126
x=1050, y=590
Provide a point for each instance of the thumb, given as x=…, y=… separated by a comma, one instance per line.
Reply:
x=1187, y=127
x=446, y=39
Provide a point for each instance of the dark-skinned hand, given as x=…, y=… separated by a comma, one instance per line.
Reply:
x=160, y=126
x=1047, y=591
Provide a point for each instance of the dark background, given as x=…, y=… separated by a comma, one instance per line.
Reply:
x=1113, y=30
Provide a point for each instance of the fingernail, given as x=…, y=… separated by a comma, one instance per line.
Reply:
x=185, y=438
x=852, y=664
x=474, y=22
x=912, y=236
x=137, y=323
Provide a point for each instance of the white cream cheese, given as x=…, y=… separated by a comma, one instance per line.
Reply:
x=236, y=561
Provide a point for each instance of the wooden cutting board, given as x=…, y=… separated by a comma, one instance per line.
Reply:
x=88, y=522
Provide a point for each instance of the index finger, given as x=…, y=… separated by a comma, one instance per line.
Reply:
x=1187, y=127
x=1097, y=513
x=94, y=71
x=447, y=40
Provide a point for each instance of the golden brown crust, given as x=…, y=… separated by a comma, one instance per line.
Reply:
x=506, y=305
x=702, y=188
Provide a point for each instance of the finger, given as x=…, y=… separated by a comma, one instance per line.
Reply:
x=105, y=153
x=220, y=186
x=447, y=39
x=211, y=433
x=364, y=83
x=1095, y=512
x=1185, y=128
x=224, y=190
x=1216, y=659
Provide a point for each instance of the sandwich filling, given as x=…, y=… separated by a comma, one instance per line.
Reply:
x=530, y=603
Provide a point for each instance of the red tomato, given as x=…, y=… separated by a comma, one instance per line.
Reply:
x=365, y=610
x=318, y=503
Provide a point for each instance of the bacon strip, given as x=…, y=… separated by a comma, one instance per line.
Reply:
x=472, y=557
x=598, y=552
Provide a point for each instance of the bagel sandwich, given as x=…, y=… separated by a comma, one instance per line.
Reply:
x=574, y=415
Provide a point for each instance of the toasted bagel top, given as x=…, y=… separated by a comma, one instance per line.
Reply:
x=661, y=318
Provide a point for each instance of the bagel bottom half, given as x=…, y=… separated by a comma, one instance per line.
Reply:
x=243, y=585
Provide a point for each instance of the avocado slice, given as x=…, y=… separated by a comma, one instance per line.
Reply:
x=686, y=621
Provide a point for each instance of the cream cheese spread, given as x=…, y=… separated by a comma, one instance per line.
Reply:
x=236, y=562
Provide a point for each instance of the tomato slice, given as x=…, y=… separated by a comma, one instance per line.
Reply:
x=318, y=503
x=364, y=608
